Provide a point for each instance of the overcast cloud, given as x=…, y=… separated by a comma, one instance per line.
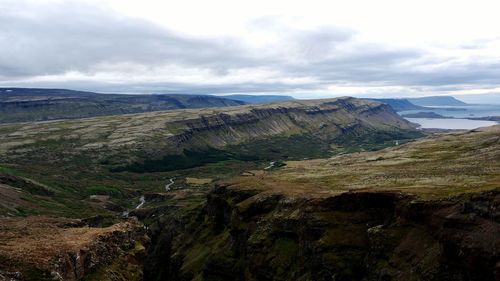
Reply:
x=116, y=47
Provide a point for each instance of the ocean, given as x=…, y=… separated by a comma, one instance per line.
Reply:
x=480, y=110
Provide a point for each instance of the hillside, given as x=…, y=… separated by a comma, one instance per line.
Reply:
x=437, y=101
x=433, y=167
x=426, y=210
x=25, y=104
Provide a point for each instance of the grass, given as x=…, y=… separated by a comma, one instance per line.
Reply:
x=188, y=159
x=104, y=190
x=437, y=167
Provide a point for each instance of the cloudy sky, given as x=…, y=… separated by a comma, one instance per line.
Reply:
x=307, y=49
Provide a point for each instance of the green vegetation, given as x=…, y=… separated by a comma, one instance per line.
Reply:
x=29, y=271
x=297, y=146
x=188, y=159
x=372, y=140
x=103, y=190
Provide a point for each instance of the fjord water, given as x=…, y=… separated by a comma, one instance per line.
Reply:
x=467, y=111
x=458, y=114
x=450, y=124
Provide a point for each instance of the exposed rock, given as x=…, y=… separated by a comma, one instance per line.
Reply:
x=252, y=235
x=42, y=248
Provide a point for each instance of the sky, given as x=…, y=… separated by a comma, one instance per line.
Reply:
x=306, y=49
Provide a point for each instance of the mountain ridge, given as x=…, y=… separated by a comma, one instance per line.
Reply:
x=400, y=104
x=437, y=101
x=258, y=98
x=38, y=104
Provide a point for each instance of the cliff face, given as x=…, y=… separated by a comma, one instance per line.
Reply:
x=326, y=119
x=251, y=235
x=45, y=248
x=266, y=131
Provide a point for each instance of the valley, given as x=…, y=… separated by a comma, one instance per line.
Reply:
x=249, y=140
x=224, y=193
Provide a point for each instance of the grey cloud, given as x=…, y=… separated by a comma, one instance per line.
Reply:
x=371, y=65
x=38, y=39
x=71, y=36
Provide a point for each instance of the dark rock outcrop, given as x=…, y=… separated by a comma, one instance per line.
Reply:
x=108, y=248
x=248, y=235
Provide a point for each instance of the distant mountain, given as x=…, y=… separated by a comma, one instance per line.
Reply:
x=399, y=104
x=424, y=115
x=437, y=101
x=31, y=104
x=259, y=99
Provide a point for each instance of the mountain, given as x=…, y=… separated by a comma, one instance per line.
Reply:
x=258, y=98
x=26, y=104
x=400, y=104
x=437, y=101
x=423, y=114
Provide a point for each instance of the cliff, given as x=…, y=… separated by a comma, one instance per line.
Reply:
x=45, y=248
x=425, y=210
x=250, y=235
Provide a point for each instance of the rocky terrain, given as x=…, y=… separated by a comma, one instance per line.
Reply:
x=46, y=248
x=250, y=235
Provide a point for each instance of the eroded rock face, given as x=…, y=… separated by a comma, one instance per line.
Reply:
x=250, y=235
x=106, y=248
x=343, y=115
x=46, y=248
